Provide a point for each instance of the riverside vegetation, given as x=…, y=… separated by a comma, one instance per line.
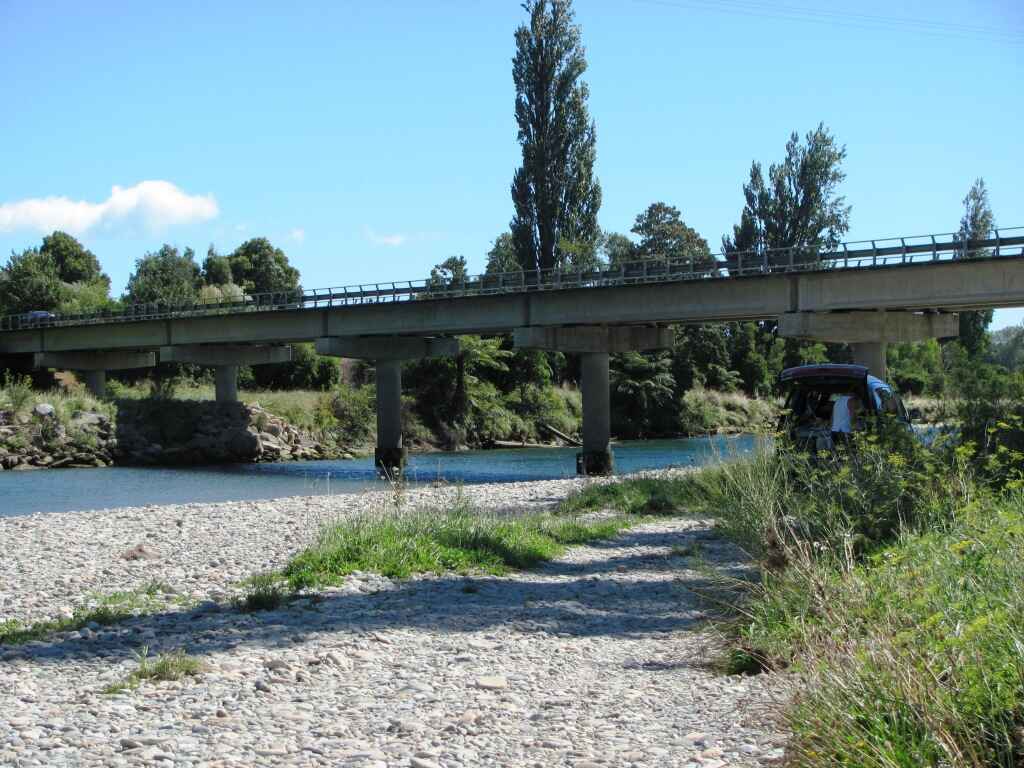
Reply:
x=892, y=585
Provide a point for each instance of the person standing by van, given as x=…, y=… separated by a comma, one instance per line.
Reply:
x=845, y=410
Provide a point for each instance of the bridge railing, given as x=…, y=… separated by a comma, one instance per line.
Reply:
x=864, y=254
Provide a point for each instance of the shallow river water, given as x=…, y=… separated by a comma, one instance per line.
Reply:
x=61, y=490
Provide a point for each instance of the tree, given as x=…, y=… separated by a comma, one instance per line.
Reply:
x=259, y=267
x=555, y=192
x=977, y=223
x=663, y=234
x=165, y=276
x=619, y=249
x=700, y=357
x=450, y=272
x=799, y=206
x=216, y=268
x=30, y=282
x=502, y=256
x=642, y=389
x=74, y=263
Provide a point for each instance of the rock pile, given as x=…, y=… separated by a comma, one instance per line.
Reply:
x=209, y=433
x=153, y=433
x=40, y=440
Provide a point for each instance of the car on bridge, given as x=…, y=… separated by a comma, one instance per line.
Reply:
x=826, y=403
x=35, y=319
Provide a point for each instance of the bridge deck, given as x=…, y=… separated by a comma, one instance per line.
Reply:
x=940, y=274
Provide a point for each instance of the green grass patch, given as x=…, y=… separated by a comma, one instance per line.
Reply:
x=106, y=609
x=460, y=539
x=174, y=665
x=639, y=496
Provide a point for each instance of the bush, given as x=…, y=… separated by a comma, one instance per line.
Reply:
x=915, y=658
x=894, y=586
x=355, y=411
x=17, y=391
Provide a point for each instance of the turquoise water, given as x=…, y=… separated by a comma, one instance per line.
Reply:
x=23, y=493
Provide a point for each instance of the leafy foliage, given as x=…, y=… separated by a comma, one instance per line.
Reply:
x=166, y=276
x=555, y=192
x=977, y=223
x=663, y=234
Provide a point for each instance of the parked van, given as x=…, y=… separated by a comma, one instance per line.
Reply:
x=826, y=403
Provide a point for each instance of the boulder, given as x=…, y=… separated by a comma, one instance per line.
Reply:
x=44, y=411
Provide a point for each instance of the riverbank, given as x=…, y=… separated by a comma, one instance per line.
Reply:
x=595, y=659
x=59, y=429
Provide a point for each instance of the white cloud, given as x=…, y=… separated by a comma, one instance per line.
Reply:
x=392, y=241
x=156, y=204
x=298, y=234
x=400, y=238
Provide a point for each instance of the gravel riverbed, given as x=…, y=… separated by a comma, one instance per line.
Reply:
x=596, y=659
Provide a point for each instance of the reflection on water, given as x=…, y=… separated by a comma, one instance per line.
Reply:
x=62, y=490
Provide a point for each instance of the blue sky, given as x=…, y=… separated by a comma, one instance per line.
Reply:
x=373, y=140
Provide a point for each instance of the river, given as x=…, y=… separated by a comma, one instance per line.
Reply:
x=62, y=490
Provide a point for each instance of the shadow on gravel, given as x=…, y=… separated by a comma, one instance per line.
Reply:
x=603, y=597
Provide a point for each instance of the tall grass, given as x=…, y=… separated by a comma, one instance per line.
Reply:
x=894, y=586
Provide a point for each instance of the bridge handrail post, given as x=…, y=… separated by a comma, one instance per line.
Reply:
x=765, y=268
x=874, y=254
x=903, y=242
x=846, y=257
x=791, y=255
x=997, y=240
x=935, y=249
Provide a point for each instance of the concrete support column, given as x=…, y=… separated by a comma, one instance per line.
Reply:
x=96, y=382
x=872, y=355
x=596, y=458
x=390, y=453
x=226, y=383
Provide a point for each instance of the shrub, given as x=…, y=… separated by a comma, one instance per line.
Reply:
x=17, y=391
x=354, y=409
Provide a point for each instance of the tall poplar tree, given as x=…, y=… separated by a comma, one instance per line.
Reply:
x=977, y=223
x=555, y=193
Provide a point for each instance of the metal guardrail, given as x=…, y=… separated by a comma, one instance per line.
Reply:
x=862, y=254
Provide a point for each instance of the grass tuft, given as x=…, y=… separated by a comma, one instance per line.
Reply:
x=460, y=539
x=175, y=665
x=264, y=592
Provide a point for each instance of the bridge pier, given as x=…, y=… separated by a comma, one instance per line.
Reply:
x=387, y=354
x=872, y=355
x=94, y=365
x=596, y=457
x=225, y=360
x=869, y=333
x=96, y=383
x=390, y=453
x=594, y=344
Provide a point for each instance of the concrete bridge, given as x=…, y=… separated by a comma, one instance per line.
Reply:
x=869, y=294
